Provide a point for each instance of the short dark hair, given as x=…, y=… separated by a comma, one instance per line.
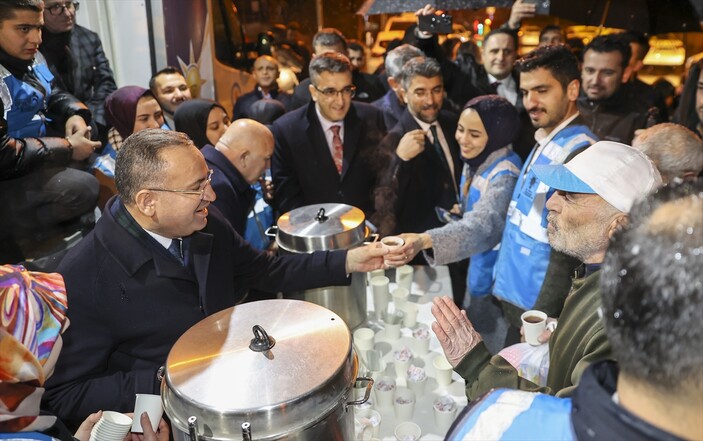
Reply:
x=611, y=43
x=139, y=162
x=168, y=70
x=499, y=31
x=332, y=62
x=558, y=60
x=8, y=7
x=422, y=67
x=550, y=28
x=638, y=38
x=329, y=37
x=354, y=45
x=651, y=290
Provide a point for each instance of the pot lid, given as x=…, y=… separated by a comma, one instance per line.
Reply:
x=212, y=372
x=321, y=227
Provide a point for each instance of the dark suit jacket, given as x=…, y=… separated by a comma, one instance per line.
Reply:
x=130, y=301
x=235, y=198
x=92, y=78
x=303, y=169
x=412, y=189
x=244, y=102
x=391, y=107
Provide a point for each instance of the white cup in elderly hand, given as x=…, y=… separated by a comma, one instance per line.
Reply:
x=151, y=404
x=534, y=322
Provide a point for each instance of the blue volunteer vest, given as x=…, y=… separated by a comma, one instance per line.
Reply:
x=480, y=277
x=24, y=104
x=516, y=415
x=260, y=218
x=524, y=254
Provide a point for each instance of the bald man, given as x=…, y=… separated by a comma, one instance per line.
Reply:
x=238, y=160
x=265, y=72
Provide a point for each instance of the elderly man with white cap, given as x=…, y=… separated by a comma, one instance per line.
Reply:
x=595, y=191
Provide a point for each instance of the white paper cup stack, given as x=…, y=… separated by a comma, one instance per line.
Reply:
x=113, y=426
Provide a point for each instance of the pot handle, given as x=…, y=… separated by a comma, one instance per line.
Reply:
x=367, y=394
x=193, y=429
x=271, y=231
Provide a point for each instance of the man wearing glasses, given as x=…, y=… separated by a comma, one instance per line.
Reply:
x=326, y=151
x=75, y=55
x=160, y=259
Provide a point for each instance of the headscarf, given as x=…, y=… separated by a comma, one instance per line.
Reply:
x=266, y=111
x=501, y=121
x=33, y=314
x=121, y=108
x=191, y=118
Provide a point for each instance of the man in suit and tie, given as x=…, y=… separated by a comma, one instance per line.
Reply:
x=327, y=150
x=391, y=103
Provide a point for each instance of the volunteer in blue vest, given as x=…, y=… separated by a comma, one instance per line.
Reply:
x=486, y=128
x=37, y=189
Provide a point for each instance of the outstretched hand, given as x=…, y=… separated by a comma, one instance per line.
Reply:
x=366, y=258
x=454, y=331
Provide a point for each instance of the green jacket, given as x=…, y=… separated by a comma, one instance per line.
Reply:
x=578, y=341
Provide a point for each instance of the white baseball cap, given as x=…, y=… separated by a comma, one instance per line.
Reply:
x=618, y=173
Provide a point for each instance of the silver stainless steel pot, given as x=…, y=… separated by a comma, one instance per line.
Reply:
x=267, y=370
x=323, y=227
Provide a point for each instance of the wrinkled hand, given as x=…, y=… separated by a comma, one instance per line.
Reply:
x=414, y=243
x=454, y=331
x=366, y=258
x=161, y=434
x=83, y=432
x=546, y=334
x=411, y=145
x=82, y=145
x=519, y=11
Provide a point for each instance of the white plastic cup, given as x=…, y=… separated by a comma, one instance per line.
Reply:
x=442, y=370
x=534, y=322
x=444, y=413
x=112, y=426
x=364, y=339
x=376, y=273
x=421, y=341
x=392, y=323
x=381, y=295
x=384, y=390
x=392, y=243
x=407, y=431
x=401, y=361
x=404, y=404
x=404, y=277
x=400, y=297
x=374, y=419
x=410, y=318
x=151, y=404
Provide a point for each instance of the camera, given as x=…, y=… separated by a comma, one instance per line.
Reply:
x=436, y=24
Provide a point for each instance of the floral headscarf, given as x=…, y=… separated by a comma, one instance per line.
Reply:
x=32, y=317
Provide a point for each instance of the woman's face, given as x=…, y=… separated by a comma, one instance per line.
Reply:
x=149, y=114
x=217, y=123
x=471, y=134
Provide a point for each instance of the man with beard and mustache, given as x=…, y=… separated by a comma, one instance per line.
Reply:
x=160, y=259
x=594, y=194
x=526, y=265
x=426, y=166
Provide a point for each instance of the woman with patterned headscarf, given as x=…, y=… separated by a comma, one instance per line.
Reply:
x=487, y=127
x=32, y=317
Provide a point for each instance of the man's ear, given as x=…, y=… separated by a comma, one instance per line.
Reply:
x=313, y=92
x=392, y=83
x=619, y=222
x=145, y=202
x=401, y=95
x=573, y=89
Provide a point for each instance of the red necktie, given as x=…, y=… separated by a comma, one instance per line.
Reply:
x=337, y=148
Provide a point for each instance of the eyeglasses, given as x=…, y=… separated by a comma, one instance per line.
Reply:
x=58, y=8
x=200, y=192
x=330, y=92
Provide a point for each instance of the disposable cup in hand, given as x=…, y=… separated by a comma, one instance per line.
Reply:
x=404, y=404
x=392, y=242
x=407, y=431
x=533, y=324
x=444, y=413
x=442, y=370
x=404, y=277
x=151, y=404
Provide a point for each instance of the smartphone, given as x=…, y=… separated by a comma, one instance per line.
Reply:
x=542, y=6
x=445, y=216
x=435, y=24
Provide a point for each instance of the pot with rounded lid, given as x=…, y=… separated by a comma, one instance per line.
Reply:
x=323, y=227
x=280, y=369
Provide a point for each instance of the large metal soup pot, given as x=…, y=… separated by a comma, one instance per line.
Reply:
x=267, y=370
x=323, y=227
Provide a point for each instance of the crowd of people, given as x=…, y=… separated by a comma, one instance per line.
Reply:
x=556, y=181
